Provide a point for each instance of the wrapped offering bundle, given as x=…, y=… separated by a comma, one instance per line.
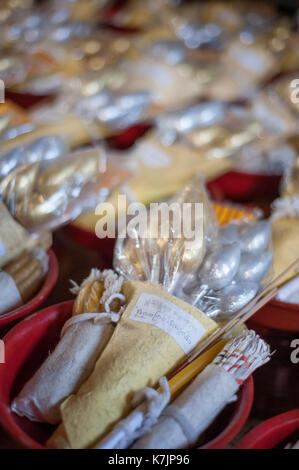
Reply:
x=83, y=338
x=157, y=330
x=44, y=188
x=153, y=336
x=141, y=349
x=20, y=279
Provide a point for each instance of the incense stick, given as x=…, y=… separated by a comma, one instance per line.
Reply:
x=281, y=275
x=236, y=321
x=257, y=307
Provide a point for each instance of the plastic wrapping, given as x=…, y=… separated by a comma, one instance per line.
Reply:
x=166, y=259
x=175, y=124
x=277, y=108
x=39, y=150
x=111, y=110
x=21, y=278
x=45, y=194
x=213, y=127
x=233, y=271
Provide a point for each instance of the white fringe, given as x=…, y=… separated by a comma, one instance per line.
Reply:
x=243, y=354
x=112, y=283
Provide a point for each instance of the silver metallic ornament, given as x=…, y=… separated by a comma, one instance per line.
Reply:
x=41, y=149
x=114, y=109
x=254, y=238
x=172, y=124
x=124, y=110
x=228, y=234
x=254, y=266
x=236, y=296
x=220, y=266
x=13, y=132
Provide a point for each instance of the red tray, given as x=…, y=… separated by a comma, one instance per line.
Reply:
x=278, y=316
x=28, y=344
x=271, y=432
x=239, y=186
x=39, y=298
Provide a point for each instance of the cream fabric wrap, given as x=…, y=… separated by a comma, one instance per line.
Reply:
x=182, y=422
x=10, y=296
x=65, y=369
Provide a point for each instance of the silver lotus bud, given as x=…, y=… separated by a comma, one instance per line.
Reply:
x=45, y=148
x=254, y=266
x=228, y=234
x=236, y=296
x=254, y=238
x=220, y=266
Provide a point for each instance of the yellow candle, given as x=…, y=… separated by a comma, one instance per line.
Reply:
x=184, y=376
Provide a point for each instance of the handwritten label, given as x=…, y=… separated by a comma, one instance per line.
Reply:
x=180, y=325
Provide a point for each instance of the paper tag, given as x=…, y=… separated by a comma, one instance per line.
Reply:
x=10, y=296
x=2, y=249
x=180, y=325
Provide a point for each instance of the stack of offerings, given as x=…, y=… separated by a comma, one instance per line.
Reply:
x=138, y=332
x=44, y=185
x=23, y=262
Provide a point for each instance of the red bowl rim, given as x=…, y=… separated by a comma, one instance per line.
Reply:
x=254, y=439
x=239, y=416
x=238, y=419
x=288, y=305
x=252, y=175
x=49, y=283
x=11, y=340
x=284, y=317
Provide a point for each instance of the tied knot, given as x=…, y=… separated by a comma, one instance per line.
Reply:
x=149, y=405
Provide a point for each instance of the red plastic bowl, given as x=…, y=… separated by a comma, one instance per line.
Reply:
x=278, y=316
x=26, y=347
x=89, y=240
x=241, y=187
x=27, y=100
x=276, y=383
x=39, y=298
x=271, y=432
